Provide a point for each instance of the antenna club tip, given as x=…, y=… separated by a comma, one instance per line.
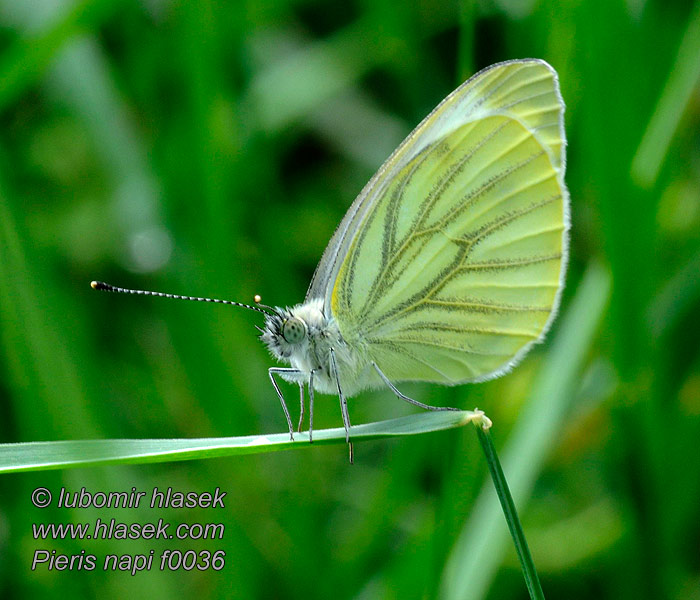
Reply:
x=257, y=298
x=98, y=285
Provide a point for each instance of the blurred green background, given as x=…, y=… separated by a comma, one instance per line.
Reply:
x=210, y=148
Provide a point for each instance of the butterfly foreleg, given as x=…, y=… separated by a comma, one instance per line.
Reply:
x=393, y=388
x=271, y=372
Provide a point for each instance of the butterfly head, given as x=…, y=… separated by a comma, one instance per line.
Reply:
x=284, y=333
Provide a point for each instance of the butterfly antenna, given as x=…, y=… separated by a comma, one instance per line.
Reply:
x=258, y=301
x=106, y=287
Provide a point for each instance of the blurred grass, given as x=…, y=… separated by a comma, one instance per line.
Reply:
x=479, y=548
x=211, y=148
x=28, y=57
x=683, y=79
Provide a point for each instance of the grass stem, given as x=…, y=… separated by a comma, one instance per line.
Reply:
x=516, y=530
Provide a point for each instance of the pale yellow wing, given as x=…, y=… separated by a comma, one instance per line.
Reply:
x=524, y=89
x=450, y=265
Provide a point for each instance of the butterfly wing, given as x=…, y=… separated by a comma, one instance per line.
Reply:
x=522, y=87
x=448, y=266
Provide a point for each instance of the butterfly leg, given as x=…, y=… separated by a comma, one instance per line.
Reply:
x=271, y=372
x=392, y=387
x=311, y=406
x=343, y=406
x=301, y=410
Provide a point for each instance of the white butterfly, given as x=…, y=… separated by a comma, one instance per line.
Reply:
x=449, y=265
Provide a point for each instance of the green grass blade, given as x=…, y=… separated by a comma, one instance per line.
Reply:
x=39, y=456
x=479, y=548
x=327, y=67
x=677, y=297
x=683, y=79
x=516, y=529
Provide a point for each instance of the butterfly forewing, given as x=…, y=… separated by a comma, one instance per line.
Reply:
x=452, y=270
x=524, y=90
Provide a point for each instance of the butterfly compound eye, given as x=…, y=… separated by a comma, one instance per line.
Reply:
x=294, y=330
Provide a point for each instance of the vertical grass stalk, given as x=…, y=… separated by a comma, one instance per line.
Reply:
x=516, y=530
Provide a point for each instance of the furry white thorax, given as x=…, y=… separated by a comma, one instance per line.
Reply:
x=313, y=350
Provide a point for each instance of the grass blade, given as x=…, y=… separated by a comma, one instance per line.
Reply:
x=682, y=80
x=40, y=456
x=479, y=548
x=516, y=529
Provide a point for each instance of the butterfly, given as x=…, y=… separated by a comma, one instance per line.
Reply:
x=450, y=263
